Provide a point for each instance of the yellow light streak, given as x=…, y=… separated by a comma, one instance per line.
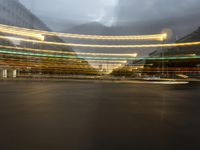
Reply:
x=107, y=61
x=22, y=33
x=5, y=28
x=103, y=46
x=71, y=53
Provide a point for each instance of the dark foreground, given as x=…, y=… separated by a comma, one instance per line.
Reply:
x=98, y=116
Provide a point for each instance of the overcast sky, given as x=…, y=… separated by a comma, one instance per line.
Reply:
x=74, y=11
x=156, y=9
x=109, y=12
x=130, y=16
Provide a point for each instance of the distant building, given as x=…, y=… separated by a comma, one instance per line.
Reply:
x=13, y=13
x=189, y=67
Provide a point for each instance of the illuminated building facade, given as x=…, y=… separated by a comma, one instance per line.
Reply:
x=177, y=67
x=13, y=13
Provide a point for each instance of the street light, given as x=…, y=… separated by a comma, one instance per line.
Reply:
x=164, y=38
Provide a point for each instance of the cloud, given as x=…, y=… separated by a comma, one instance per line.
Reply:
x=135, y=10
x=66, y=13
x=73, y=10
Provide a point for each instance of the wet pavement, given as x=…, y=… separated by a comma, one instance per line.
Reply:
x=73, y=115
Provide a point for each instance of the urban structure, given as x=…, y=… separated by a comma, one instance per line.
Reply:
x=29, y=48
x=166, y=62
x=189, y=67
x=13, y=13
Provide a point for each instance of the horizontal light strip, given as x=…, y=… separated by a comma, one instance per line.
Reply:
x=70, y=53
x=52, y=65
x=102, y=46
x=160, y=37
x=22, y=33
x=59, y=60
x=96, y=58
x=62, y=56
x=107, y=61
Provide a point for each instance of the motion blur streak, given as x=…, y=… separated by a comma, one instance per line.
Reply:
x=25, y=31
x=103, y=46
x=94, y=58
x=71, y=53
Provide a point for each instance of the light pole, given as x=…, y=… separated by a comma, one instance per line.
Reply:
x=164, y=38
